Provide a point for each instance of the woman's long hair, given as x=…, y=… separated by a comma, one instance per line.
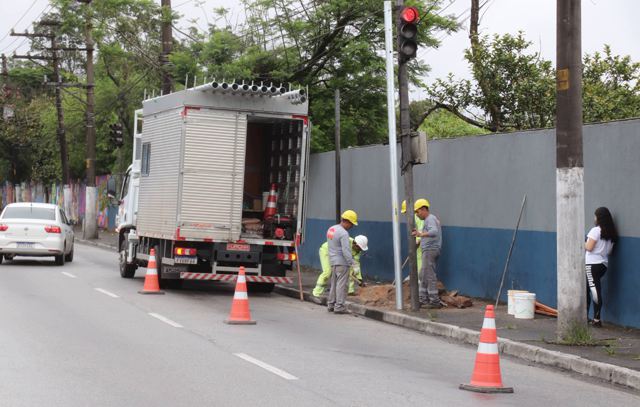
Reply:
x=607, y=227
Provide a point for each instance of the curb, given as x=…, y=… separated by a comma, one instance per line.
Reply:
x=530, y=353
x=96, y=244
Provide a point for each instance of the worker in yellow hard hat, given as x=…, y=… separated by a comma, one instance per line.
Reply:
x=431, y=243
x=419, y=223
x=358, y=246
x=341, y=261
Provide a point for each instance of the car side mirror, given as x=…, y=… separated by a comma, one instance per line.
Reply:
x=111, y=187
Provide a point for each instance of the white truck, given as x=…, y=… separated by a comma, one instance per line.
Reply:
x=204, y=161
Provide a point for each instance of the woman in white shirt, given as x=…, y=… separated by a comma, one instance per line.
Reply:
x=599, y=244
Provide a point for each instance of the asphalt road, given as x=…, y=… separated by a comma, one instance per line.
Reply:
x=79, y=335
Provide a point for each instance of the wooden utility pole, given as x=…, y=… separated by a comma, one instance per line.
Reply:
x=337, y=142
x=405, y=131
x=569, y=169
x=167, y=46
x=55, y=61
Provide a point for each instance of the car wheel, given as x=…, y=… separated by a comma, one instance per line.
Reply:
x=69, y=257
x=126, y=270
x=60, y=260
x=1, y=257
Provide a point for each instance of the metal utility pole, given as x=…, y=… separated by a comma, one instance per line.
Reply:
x=393, y=153
x=569, y=169
x=90, y=230
x=337, y=141
x=167, y=46
x=405, y=131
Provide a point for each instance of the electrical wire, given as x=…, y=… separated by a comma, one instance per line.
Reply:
x=19, y=20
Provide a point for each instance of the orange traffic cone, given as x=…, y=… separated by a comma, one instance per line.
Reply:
x=151, y=283
x=240, y=314
x=486, y=376
x=272, y=203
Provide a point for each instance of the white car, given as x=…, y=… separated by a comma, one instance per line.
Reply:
x=35, y=229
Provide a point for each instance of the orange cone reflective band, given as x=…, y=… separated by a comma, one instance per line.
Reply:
x=240, y=314
x=272, y=202
x=486, y=377
x=151, y=282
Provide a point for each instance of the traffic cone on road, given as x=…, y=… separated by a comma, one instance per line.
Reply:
x=151, y=282
x=240, y=314
x=486, y=376
x=272, y=203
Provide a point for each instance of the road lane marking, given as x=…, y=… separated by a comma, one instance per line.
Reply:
x=266, y=366
x=105, y=292
x=69, y=274
x=165, y=320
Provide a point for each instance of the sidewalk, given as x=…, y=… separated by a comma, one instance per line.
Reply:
x=614, y=357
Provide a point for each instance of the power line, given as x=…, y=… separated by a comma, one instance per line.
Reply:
x=19, y=20
x=18, y=38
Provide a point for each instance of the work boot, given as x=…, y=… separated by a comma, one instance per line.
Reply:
x=330, y=309
x=431, y=305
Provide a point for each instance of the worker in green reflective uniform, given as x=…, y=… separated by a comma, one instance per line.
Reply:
x=358, y=245
x=419, y=225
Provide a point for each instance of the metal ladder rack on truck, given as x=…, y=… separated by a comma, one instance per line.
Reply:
x=206, y=160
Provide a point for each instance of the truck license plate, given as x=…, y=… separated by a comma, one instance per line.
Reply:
x=186, y=260
x=24, y=245
x=237, y=247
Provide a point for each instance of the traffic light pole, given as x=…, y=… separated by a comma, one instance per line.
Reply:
x=405, y=130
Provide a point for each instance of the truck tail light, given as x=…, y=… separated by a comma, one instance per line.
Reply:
x=3, y=228
x=287, y=257
x=183, y=251
x=52, y=229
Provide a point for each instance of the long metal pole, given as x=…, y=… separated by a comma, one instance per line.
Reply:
x=513, y=241
x=337, y=142
x=569, y=169
x=405, y=130
x=393, y=151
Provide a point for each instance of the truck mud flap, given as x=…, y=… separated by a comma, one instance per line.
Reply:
x=233, y=277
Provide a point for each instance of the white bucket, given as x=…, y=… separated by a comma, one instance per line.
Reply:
x=524, y=305
x=511, y=303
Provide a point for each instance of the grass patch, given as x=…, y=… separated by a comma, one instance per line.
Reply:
x=578, y=335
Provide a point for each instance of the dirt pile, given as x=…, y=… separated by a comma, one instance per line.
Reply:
x=385, y=295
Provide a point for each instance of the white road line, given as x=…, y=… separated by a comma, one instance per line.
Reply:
x=105, y=292
x=165, y=320
x=266, y=366
x=69, y=274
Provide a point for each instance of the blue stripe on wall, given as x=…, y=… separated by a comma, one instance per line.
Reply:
x=473, y=259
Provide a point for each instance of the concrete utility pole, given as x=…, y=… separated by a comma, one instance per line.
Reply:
x=90, y=230
x=337, y=141
x=405, y=131
x=569, y=169
x=167, y=46
x=62, y=140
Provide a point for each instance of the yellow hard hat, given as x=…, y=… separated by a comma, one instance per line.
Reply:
x=351, y=216
x=404, y=207
x=420, y=203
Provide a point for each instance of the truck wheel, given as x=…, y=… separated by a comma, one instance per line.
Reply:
x=260, y=287
x=126, y=270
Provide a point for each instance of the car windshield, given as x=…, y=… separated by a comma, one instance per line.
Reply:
x=29, y=212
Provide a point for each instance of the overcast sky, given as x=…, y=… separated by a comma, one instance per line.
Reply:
x=613, y=22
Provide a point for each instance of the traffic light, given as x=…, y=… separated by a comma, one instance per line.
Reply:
x=116, y=134
x=408, y=33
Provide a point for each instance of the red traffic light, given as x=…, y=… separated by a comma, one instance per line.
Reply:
x=410, y=15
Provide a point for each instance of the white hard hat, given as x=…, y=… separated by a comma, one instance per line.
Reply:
x=362, y=242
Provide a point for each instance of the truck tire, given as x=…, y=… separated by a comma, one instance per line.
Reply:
x=260, y=287
x=126, y=270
